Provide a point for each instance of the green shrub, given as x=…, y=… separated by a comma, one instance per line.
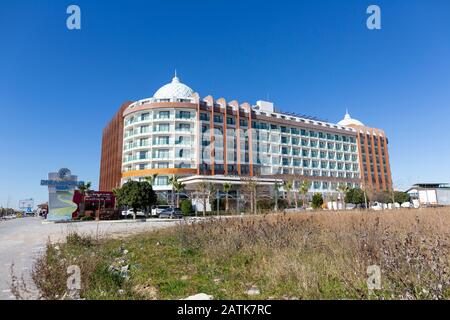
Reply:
x=186, y=207
x=317, y=201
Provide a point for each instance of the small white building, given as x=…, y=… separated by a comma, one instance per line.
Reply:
x=431, y=193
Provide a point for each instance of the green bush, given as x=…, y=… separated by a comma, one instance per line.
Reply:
x=186, y=207
x=317, y=201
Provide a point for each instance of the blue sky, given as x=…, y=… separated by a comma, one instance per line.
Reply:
x=58, y=88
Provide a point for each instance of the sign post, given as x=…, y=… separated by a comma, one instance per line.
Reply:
x=61, y=189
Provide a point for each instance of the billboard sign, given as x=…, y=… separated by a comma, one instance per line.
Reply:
x=61, y=188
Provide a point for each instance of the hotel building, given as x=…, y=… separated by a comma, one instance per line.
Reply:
x=176, y=132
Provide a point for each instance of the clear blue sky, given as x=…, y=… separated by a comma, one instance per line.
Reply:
x=58, y=88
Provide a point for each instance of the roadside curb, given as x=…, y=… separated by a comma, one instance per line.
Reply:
x=108, y=221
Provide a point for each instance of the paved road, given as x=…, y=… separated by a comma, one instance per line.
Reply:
x=22, y=240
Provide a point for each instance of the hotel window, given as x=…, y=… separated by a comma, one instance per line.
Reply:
x=316, y=185
x=243, y=123
x=164, y=115
x=218, y=119
x=323, y=165
x=321, y=135
x=314, y=153
x=285, y=162
x=295, y=152
x=143, y=142
x=273, y=127
x=294, y=131
x=313, y=144
x=142, y=155
x=144, y=129
x=305, y=153
x=304, y=133
x=161, y=154
x=315, y=164
x=184, y=127
x=322, y=145
x=305, y=163
x=316, y=173
x=340, y=166
x=304, y=142
x=162, y=127
x=142, y=166
x=284, y=140
x=204, y=117
x=284, y=150
x=183, y=153
x=161, y=140
x=184, y=115
x=294, y=141
x=231, y=121
x=162, y=181
x=162, y=165
x=145, y=116
x=296, y=163
x=283, y=129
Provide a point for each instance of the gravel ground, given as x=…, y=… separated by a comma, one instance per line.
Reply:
x=21, y=240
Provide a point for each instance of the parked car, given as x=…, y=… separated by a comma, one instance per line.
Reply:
x=129, y=213
x=171, y=213
x=377, y=206
x=156, y=210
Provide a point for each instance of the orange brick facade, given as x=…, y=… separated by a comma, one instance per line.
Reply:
x=111, y=158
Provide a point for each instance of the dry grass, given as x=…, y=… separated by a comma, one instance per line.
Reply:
x=326, y=255
x=320, y=255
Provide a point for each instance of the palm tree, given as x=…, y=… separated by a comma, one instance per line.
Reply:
x=288, y=188
x=276, y=189
x=226, y=188
x=152, y=178
x=342, y=189
x=304, y=189
x=85, y=189
x=202, y=187
x=177, y=186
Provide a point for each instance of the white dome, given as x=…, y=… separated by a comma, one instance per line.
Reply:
x=175, y=89
x=349, y=121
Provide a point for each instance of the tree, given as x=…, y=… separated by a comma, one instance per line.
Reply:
x=151, y=179
x=276, y=190
x=317, y=201
x=186, y=207
x=342, y=189
x=251, y=186
x=202, y=188
x=85, y=189
x=355, y=196
x=401, y=197
x=288, y=188
x=304, y=189
x=177, y=187
x=137, y=195
x=226, y=188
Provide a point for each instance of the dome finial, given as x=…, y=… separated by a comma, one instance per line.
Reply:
x=175, y=78
x=347, y=115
